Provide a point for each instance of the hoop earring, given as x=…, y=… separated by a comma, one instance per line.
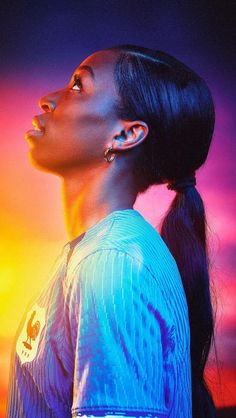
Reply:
x=108, y=158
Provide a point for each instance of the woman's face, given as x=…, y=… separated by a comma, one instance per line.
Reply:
x=79, y=120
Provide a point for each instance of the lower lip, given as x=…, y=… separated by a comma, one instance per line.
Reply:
x=33, y=133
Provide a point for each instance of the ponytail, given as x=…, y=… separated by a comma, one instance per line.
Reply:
x=184, y=232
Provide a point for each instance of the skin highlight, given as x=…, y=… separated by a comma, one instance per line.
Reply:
x=80, y=123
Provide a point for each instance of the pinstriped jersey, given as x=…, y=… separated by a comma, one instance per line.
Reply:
x=109, y=334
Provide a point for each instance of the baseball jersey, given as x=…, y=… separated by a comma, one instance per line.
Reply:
x=109, y=334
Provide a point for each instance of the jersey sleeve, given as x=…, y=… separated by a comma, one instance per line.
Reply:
x=121, y=337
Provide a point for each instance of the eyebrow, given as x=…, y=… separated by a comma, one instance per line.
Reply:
x=87, y=68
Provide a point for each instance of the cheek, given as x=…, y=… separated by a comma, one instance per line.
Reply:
x=88, y=122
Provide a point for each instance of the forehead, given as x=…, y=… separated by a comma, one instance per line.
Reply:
x=103, y=65
x=102, y=59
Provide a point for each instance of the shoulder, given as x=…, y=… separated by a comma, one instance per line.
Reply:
x=110, y=272
x=110, y=263
x=111, y=276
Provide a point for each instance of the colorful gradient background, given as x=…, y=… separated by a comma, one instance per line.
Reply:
x=41, y=44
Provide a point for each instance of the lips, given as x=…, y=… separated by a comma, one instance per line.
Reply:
x=38, y=124
x=37, y=132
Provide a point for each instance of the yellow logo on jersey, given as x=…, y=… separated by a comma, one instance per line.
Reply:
x=28, y=340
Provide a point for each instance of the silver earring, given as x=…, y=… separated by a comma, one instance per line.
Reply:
x=109, y=158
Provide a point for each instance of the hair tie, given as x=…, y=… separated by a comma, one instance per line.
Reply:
x=182, y=185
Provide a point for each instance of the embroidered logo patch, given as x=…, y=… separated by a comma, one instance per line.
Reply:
x=28, y=340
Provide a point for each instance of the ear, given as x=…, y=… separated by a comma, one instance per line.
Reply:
x=132, y=135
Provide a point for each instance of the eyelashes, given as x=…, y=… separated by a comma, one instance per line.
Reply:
x=77, y=85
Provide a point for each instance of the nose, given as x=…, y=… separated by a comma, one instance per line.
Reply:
x=47, y=104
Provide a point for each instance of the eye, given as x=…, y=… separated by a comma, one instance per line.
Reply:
x=77, y=86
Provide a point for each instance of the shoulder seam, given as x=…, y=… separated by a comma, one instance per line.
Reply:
x=118, y=251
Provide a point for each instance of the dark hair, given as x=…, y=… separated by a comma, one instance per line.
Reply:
x=178, y=108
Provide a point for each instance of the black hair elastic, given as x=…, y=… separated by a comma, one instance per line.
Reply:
x=182, y=185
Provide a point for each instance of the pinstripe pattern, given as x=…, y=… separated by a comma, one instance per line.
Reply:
x=116, y=339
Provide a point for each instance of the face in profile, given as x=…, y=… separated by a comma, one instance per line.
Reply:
x=77, y=121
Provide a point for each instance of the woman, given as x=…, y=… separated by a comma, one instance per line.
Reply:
x=125, y=325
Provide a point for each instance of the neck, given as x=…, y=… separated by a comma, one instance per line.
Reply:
x=91, y=196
